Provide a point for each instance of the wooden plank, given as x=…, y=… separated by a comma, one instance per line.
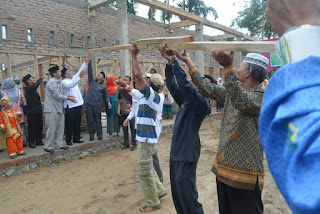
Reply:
x=116, y=68
x=183, y=23
x=21, y=81
x=167, y=40
x=189, y=16
x=42, y=84
x=30, y=53
x=112, y=48
x=221, y=37
x=94, y=4
x=35, y=63
x=9, y=73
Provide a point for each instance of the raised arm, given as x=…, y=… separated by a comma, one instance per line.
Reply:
x=136, y=71
x=90, y=73
x=172, y=85
x=36, y=85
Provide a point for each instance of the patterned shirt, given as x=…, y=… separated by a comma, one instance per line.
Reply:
x=148, y=123
x=239, y=161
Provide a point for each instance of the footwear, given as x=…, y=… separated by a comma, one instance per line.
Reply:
x=147, y=208
x=134, y=147
x=13, y=156
x=99, y=138
x=49, y=150
x=79, y=141
x=64, y=147
x=40, y=144
x=69, y=143
x=32, y=146
x=91, y=138
x=125, y=147
x=22, y=153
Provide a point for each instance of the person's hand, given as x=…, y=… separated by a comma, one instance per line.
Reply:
x=122, y=84
x=109, y=106
x=118, y=112
x=127, y=111
x=42, y=75
x=125, y=122
x=222, y=58
x=88, y=58
x=72, y=98
x=134, y=50
x=184, y=57
x=82, y=73
x=166, y=53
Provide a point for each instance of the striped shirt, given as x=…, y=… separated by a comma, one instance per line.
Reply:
x=148, y=122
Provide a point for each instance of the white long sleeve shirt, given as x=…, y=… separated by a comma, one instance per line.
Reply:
x=71, y=87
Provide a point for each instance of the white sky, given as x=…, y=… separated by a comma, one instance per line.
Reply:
x=227, y=10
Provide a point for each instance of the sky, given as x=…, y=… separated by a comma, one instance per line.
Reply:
x=227, y=10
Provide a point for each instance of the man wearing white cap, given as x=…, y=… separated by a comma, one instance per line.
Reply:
x=239, y=161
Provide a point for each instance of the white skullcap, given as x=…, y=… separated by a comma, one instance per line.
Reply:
x=257, y=59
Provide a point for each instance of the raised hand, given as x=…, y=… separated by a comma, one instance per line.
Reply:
x=222, y=58
x=134, y=50
x=166, y=53
x=184, y=57
x=122, y=84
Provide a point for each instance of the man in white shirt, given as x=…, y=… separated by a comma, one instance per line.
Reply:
x=73, y=110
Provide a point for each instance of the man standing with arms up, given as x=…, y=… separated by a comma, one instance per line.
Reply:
x=73, y=110
x=289, y=122
x=54, y=112
x=96, y=98
x=34, y=110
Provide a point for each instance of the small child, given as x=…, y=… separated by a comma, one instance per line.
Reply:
x=9, y=125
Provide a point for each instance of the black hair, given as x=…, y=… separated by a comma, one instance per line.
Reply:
x=154, y=70
x=258, y=73
x=212, y=80
x=128, y=77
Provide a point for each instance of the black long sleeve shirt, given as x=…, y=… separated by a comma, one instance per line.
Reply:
x=33, y=99
x=97, y=94
x=194, y=107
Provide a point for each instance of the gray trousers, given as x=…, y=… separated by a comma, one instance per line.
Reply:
x=94, y=120
x=55, y=129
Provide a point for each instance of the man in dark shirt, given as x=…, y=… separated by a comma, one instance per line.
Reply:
x=185, y=146
x=96, y=98
x=34, y=110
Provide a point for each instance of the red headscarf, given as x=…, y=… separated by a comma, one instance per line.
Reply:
x=111, y=88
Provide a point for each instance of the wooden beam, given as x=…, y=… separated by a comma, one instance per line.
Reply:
x=112, y=48
x=35, y=59
x=183, y=23
x=247, y=46
x=190, y=16
x=116, y=68
x=222, y=37
x=94, y=4
x=9, y=73
x=42, y=84
x=167, y=40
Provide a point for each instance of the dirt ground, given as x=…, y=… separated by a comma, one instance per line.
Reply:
x=108, y=183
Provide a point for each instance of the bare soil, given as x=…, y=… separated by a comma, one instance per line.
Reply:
x=108, y=183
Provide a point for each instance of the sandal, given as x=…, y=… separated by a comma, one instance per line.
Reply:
x=147, y=208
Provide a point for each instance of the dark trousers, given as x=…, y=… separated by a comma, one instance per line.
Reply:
x=94, y=120
x=239, y=201
x=35, y=128
x=156, y=166
x=72, y=125
x=183, y=187
x=126, y=130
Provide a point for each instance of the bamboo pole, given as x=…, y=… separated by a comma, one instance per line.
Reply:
x=35, y=63
x=9, y=73
x=116, y=68
x=40, y=68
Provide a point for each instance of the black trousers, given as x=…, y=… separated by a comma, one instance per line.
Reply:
x=72, y=123
x=94, y=120
x=126, y=130
x=239, y=201
x=183, y=187
x=35, y=128
x=156, y=165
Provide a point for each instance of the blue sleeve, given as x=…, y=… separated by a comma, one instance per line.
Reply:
x=289, y=127
x=172, y=86
x=189, y=92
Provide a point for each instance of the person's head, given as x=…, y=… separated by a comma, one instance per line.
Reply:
x=111, y=81
x=5, y=101
x=8, y=83
x=100, y=76
x=286, y=14
x=28, y=79
x=253, y=69
x=127, y=79
x=210, y=79
x=66, y=73
x=153, y=71
x=55, y=72
x=156, y=81
x=220, y=80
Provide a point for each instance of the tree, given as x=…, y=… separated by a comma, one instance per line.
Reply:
x=151, y=13
x=197, y=7
x=253, y=19
x=166, y=16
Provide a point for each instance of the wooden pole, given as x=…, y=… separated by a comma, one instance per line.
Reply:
x=42, y=84
x=35, y=62
x=9, y=74
x=59, y=62
x=21, y=81
x=116, y=68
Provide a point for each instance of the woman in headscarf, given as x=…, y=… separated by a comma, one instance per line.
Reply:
x=17, y=99
x=112, y=116
x=219, y=105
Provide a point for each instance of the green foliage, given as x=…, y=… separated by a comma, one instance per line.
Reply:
x=197, y=7
x=253, y=19
x=166, y=16
x=151, y=14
